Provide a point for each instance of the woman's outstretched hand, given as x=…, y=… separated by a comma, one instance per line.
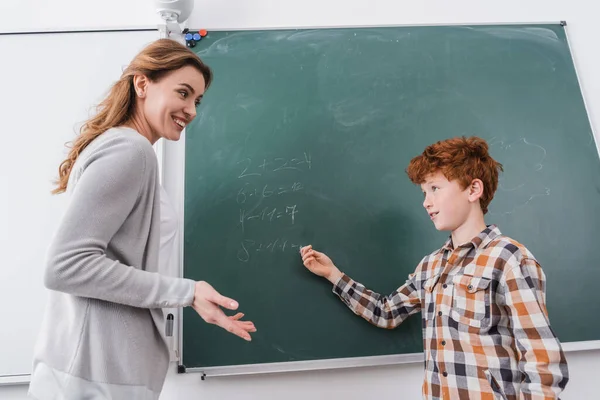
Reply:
x=208, y=303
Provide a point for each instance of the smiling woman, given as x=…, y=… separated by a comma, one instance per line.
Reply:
x=172, y=105
x=160, y=80
x=103, y=330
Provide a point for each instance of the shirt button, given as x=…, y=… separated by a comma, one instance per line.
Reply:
x=440, y=313
x=445, y=286
x=445, y=373
x=443, y=342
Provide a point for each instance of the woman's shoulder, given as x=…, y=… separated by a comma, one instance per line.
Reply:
x=119, y=151
x=128, y=138
x=120, y=144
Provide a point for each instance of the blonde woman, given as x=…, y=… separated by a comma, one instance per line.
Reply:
x=102, y=335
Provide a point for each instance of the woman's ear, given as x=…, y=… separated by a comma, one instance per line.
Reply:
x=140, y=84
x=475, y=189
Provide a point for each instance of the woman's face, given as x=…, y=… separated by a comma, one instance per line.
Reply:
x=168, y=105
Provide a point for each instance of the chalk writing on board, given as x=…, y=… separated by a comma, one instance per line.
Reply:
x=264, y=204
x=249, y=247
x=252, y=167
x=249, y=191
x=537, y=159
x=523, y=178
x=269, y=214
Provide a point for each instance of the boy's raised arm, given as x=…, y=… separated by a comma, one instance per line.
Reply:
x=381, y=311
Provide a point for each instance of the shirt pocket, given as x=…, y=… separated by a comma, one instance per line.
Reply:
x=471, y=300
x=429, y=296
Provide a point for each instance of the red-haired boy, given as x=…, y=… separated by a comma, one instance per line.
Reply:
x=486, y=332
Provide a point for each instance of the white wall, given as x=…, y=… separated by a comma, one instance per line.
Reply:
x=40, y=15
x=398, y=381
x=49, y=85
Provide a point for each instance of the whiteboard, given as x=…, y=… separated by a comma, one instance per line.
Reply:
x=50, y=82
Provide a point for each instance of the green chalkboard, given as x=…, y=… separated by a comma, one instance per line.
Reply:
x=304, y=138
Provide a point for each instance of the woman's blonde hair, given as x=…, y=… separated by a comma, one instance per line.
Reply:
x=154, y=61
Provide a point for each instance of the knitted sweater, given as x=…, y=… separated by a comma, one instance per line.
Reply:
x=103, y=330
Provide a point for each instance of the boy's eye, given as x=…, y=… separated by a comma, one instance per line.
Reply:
x=434, y=188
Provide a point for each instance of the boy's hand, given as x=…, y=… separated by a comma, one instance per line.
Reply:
x=319, y=264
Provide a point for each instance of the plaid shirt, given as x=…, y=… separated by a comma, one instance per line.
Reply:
x=486, y=332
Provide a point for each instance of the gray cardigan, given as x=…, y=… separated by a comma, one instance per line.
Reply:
x=103, y=330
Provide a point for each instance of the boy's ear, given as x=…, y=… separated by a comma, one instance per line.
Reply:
x=475, y=190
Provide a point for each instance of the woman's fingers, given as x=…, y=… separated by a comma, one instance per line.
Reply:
x=237, y=316
x=246, y=325
x=236, y=327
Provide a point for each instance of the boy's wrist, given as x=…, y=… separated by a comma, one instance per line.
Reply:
x=335, y=275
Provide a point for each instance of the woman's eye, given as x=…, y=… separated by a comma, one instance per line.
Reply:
x=183, y=93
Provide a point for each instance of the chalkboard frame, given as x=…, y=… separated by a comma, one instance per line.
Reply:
x=166, y=150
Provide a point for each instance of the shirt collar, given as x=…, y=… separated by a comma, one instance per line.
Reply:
x=480, y=241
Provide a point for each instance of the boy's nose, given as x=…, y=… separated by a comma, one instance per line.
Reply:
x=426, y=203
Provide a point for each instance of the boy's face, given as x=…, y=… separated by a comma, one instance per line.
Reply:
x=447, y=204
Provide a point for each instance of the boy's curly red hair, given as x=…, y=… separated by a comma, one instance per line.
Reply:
x=461, y=158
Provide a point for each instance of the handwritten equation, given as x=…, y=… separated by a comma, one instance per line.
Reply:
x=251, y=168
x=248, y=191
x=266, y=204
x=249, y=247
x=266, y=214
